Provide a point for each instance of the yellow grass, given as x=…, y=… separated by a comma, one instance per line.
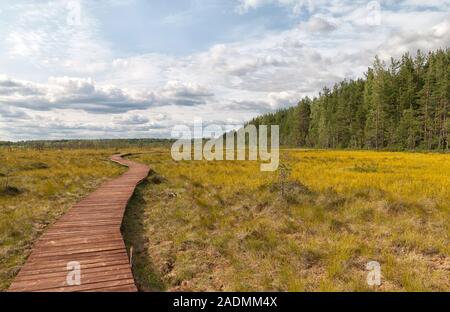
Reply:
x=225, y=225
x=198, y=225
x=42, y=186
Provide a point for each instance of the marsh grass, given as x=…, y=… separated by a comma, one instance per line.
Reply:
x=197, y=225
x=225, y=226
x=37, y=187
x=147, y=277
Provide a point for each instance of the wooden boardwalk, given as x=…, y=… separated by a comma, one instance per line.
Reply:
x=89, y=233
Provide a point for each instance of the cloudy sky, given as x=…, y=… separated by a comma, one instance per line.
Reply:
x=136, y=68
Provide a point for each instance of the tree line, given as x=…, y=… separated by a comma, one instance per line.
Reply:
x=402, y=104
x=87, y=144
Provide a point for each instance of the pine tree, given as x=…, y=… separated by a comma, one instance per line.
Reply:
x=408, y=130
x=403, y=105
x=377, y=119
x=426, y=103
x=443, y=96
x=304, y=116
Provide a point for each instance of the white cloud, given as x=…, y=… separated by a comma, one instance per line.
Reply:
x=42, y=33
x=297, y=6
x=317, y=24
x=132, y=120
x=184, y=94
x=146, y=94
x=246, y=5
x=86, y=95
x=70, y=93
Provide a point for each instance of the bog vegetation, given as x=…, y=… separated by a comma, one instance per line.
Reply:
x=195, y=225
x=311, y=226
x=36, y=187
x=401, y=105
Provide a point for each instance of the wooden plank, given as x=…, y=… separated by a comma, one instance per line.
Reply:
x=61, y=275
x=77, y=241
x=55, y=268
x=86, y=278
x=32, y=266
x=89, y=234
x=94, y=286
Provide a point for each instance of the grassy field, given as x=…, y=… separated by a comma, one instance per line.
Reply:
x=36, y=187
x=227, y=226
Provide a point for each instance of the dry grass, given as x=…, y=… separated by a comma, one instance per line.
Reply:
x=42, y=186
x=225, y=225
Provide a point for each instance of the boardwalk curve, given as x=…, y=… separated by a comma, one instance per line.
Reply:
x=88, y=234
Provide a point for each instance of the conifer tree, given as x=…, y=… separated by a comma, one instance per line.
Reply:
x=404, y=105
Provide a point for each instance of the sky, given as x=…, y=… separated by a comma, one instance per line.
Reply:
x=137, y=68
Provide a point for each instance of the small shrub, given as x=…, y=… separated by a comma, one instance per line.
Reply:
x=197, y=184
x=369, y=192
x=11, y=191
x=292, y=191
x=155, y=178
x=330, y=199
x=291, y=187
x=311, y=257
x=364, y=168
x=366, y=214
x=394, y=206
x=338, y=226
x=260, y=239
x=35, y=166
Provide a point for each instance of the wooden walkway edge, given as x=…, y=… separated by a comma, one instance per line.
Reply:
x=88, y=234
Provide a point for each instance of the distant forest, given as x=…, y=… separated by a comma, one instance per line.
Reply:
x=86, y=144
x=400, y=105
